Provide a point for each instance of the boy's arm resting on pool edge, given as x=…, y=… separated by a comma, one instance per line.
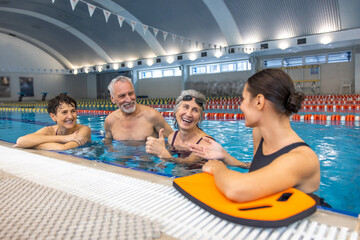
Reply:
x=215, y=151
x=43, y=140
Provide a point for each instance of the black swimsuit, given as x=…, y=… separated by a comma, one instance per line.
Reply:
x=182, y=153
x=260, y=160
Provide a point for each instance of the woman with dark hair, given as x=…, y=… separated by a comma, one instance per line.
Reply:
x=281, y=158
x=188, y=110
x=65, y=134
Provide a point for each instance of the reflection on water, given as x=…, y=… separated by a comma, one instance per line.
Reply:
x=131, y=154
x=337, y=147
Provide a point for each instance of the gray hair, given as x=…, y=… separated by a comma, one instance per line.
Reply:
x=194, y=94
x=117, y=79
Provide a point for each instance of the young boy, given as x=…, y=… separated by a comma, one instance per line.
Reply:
x=65, y=134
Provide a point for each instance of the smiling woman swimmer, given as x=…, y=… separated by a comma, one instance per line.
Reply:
x=187, y=116
x=281, y=158
x=65, y=134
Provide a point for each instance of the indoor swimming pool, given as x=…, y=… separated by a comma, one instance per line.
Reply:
x=336, y=146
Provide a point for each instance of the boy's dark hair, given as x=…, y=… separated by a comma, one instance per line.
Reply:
x=54, y=103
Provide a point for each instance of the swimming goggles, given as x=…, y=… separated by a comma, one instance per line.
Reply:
x=198, y=101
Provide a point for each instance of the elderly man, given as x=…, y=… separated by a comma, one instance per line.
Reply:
x=131, y=121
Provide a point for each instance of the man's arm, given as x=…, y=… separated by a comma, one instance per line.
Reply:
x=159, y=123
x=108, y=135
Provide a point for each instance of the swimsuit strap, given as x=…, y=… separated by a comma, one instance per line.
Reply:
x=283, y=150
x=203, y=137
x=175, y=134
x=260, y=160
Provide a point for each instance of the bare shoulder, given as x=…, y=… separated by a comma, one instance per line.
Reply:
x=80, y=126
x=149, y=112
x=109, y=118
x=170, y=137
x=46, y=131
x=147, y=109
x=302, y=160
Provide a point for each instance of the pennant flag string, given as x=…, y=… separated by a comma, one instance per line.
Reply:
x=155, y=30
x=92, y=8
x=121, y=20
x=165, y=35
x=145, y=27
x=106, y=14
x=133, y=23
x=73, y=4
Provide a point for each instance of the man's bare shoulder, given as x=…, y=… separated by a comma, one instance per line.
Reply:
x=148, y=112
x=111, y=116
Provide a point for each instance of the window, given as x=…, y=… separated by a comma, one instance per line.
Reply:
x=145, y=74
x=271, y=63
x=213, y=68
x=168, y=73
x=228, y=67
x=243, y=66
x=198, y=70
x=339, y=57
x=178, y=72
x=308, y=60
x=315, y=59
x=289, y=62
x=220, y=67
x=158, y=73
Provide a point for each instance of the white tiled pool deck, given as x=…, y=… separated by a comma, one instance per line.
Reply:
x=152, y=197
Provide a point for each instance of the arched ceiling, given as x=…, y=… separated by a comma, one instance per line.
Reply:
x=76, y=39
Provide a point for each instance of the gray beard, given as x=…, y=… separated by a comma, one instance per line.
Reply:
x=128, y=110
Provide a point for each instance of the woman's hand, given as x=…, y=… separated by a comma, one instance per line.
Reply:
x=211, y=165
x=75, y=137
x=212, y=151
x=156, y=146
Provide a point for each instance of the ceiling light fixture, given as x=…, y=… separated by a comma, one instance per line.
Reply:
x=170, y=59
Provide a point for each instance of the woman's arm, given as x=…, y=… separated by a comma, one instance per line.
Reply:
x=42, y=140
x=298, y=168
x=215, y=151
x=41, y=136
x=157, y=147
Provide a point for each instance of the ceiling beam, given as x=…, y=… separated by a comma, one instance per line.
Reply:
x=46, y=48
x=148, y=38
x=225, y=20
x=88, y=41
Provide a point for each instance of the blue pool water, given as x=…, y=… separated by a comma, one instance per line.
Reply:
x=338, y=148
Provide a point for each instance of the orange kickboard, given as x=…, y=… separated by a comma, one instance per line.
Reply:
x=277, y=210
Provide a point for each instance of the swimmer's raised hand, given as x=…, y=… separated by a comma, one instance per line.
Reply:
x=212, y=151
x=156, y=146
